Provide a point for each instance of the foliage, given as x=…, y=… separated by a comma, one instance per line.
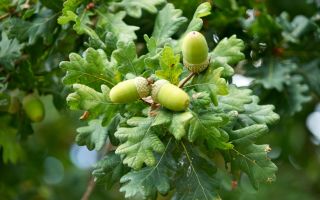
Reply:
x=152, y=142
x=215, y=149
x=31, y=47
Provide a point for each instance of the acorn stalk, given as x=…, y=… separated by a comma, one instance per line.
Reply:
x=130, y=90
x=195, y=52
x=170, y=96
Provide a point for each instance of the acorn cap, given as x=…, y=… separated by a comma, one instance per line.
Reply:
x=156, y=88
x=143, y=87
x=196, y=68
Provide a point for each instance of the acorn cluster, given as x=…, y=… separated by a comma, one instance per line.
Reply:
x=195, y=59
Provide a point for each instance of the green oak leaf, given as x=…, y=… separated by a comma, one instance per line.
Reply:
x=200, y=100
x=114, y=23
x=258, y=114
x=152, y=57
x=67, y=17
x=247, y=135
x=109, y=169
x=96, y=103
x=138, y=143
x=302, y=25
x=134, y=7
x=175, y=123
x=10, y=50
x=82, y=24
x=43, y=26
x=81, y=19
x=206, y=126
x=179, y=124
x=195, y=178
x=151, y=44
x=264, y=26
x=69, y=7
x=227, y=53
x=171, y=67
x=297, y=94
x=146, y=182
x=93, y=136
x=211, y=82
x=274, y=74
x=253, y=160
x=164, y=117
x=167, y=23
x=196, y=23
x=299, y=27
x=236, y=99
x=93, y=69
x=126, y=58
x=311, y=71
x=111, y=43
x=281, y=76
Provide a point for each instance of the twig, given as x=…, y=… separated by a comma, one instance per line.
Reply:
x=11, y=11
x=89, y=189
x=184, y=81
x=91, y=184
x=4, y=16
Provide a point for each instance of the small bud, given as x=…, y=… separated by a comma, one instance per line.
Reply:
x=33, y=107
x=85, y=115
x=234, y=184
x=195, y=52
x=170, y=96
x=130, y=90
x=90, y=6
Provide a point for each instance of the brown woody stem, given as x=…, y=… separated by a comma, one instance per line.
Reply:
x=4, y=16
x=89, y=189
x=91, y=184
x=185, y=80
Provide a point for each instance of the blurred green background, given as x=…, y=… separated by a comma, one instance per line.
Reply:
x=51, y=166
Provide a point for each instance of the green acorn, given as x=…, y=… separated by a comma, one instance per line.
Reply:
x=33, y=107
x=195, y=52
x=130, y=90
x=170, y=96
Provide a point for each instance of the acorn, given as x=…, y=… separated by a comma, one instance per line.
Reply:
x=170, y=96
x=33, y=107
x=195, y=52
x=130, y=90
